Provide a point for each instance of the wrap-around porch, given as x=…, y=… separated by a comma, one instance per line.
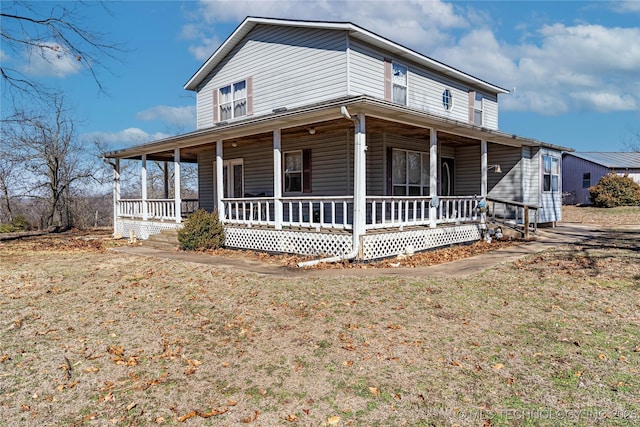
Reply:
x=378, y=187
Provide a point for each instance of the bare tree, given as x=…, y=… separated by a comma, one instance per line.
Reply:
x=49, y=32
x=46, y=147
x=633, y=142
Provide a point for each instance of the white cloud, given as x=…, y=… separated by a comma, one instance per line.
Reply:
x=51, y=59
x=626, y=6
x=4, y=56
x=183, y=117
x=556, y=67
x=126, y=137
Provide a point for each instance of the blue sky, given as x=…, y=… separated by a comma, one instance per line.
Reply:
x=575, y=66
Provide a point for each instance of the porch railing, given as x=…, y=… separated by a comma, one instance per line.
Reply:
x=158, y=209
x=401, y=211
x=309, y=212
x=518, y=215
x=333, y=212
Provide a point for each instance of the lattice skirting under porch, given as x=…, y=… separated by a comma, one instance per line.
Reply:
x=288, y=241
x=142, y=229
x=382, y=245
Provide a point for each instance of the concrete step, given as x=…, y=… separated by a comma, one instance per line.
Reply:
x=167, y=240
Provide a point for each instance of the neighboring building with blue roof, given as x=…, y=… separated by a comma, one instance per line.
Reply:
x=581, y=170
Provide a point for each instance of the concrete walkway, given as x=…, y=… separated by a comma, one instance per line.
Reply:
x=546, y=238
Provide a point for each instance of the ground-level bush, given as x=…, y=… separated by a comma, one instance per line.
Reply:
x=202, y=230
x=19, y=223
x=615, y=190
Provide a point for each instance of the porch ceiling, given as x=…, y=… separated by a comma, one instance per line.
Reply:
x=326, y=114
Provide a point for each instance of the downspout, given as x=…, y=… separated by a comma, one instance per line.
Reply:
x=359, y=163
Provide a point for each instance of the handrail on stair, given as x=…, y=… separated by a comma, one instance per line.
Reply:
x=514, y=214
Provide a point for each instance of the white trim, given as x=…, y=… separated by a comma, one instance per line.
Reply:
x=483, y=168
x=176, y=184
x=433, y=173
x=277, y=178
x=143, y=186
x=219, y=168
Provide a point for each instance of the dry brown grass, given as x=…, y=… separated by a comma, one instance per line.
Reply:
x=90, y=337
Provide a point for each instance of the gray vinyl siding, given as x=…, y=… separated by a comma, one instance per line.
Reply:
x=424, y=88
x=508, y=184
x=206, y=192
x=376, y=165
x=425, y=91
x=366, y=66
x=467, y=173
x=289, y=66
x=330, y=162
x=490, y=111
x=535, y=178
x=551, y=202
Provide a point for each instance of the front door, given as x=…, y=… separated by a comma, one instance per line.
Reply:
x=232, y=178
x=447, y=170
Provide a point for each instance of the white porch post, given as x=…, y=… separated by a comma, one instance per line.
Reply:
x=433, y=174
x=359, y=180
x=483, y=175
x=143, y=184
x=166, y=179
x=219, y=181
x=277, y=178
x=176, y=184
x=116, y=195
x=483, y=168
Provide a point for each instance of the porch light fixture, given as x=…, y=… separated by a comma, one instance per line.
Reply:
x=312, y=131
x=234, y=144
x=496, y=168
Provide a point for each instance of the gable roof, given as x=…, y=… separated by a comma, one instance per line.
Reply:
x=355, y=31
x=611, y=160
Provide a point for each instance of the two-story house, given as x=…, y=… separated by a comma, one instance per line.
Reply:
x=323, y=138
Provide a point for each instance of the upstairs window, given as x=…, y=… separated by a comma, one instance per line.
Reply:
x=399, y=84
x=550, y=173
x=586, y=180
x=477, y=110
x=447, y=100
x=233, y=100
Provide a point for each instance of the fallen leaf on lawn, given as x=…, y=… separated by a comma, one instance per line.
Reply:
x=291, y=418
x=498, y=366
x=602, y=356
x=211, y=413
x=90, y=370
x=186, y=416
x=115, y=350
x=333, y=421
x=348, y=363
x=132, y=405
x=456, y=363
x=232, y=402
x=374, y=391
x=249, y=419
x=262, y=392
x=4, y=357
